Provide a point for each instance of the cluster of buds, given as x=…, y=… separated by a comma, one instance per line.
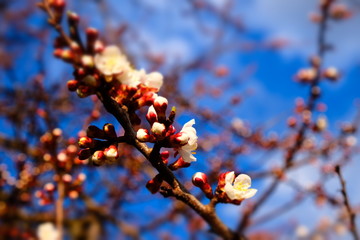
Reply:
x=100, y=145
x=162, y=130
x=229, y=189
x=73, y=187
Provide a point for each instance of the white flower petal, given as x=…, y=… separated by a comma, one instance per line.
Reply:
x=187, y=156
x=243, y=180
x=229, y=178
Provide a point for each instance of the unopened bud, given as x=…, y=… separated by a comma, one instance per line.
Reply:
x=49, y=187
x=306, y=75
x=180, y=163
x=331, y=73
x=200, y=180
x=98, y=158
x=160, y=105
x=158, y=129
x=111, y=153
x=109, y=130
x=151, y=115
x=67, y=178
x=87, y=61
x=84, y=154
x=72, y=85
x=154, y=184
x=95, y=132
x=164, y=156
x=86, y=142
x=143, y=135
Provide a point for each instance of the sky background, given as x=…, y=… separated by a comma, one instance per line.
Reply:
x=170, y=28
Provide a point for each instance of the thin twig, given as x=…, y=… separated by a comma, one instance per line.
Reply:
x=352, y=216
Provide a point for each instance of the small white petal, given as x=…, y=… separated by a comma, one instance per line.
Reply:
x=243, y=180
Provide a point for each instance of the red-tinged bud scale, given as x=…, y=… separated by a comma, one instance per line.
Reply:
x=180, y=163
x=72, y=85
x=200, y=180
x=109, y=130
x=154, y=184
x=86, y=142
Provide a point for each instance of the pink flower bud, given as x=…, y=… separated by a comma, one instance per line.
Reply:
x=143, y=135
x=87, y=61
x=164, y=156
x=67, y=178
x=111, y=153
x=200, y=180
x=180, y=163
x=160, y=104
x=49, y=187
x=86, y=142
x=98, y=158
x=154, y=184
x=81, y=177
x=151, y=116
x=62, y=157
x=73, y=17
x=109, y=130
x=331, y=73
x=73, y=194
x=158, y=129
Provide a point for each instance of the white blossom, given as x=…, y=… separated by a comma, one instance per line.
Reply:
x=142, y=134
x=158, y=128
x=238, y=189
x=111, y=61
x=47, y=231
x=191, y=145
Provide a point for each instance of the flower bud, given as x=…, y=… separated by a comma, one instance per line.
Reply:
x=87, y=61
x=67, y=178
x=143, y=135
x=86, y=142
x=331, y=73
x=49, y=187
x=180, y=163
x=98, y=158
x=84, y=154
x=164, y=156
x=111, y=153
x=109, y=130
x=159, y=130
x=151, y=116
x=95, y=132
x=154, y=184
x=306, y=75
x=160, y=105
x=200, y=180
x=72, y=85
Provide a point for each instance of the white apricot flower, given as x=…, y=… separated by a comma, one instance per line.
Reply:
x=186, y=151
x=153, y=80
x=47, y=231
x=238, y=189
x=111, y=61
x=135, y=77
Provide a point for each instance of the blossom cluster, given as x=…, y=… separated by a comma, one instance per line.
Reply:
x=229, y=189
x=100, y=70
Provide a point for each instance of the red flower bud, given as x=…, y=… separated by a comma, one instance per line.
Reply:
x=154, y=184
x=180, y=163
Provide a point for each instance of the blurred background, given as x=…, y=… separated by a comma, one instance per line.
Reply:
x=231, y=65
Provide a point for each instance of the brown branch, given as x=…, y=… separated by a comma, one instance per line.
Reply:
x=177, y=189
x=352, y=216
x=59, y=208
